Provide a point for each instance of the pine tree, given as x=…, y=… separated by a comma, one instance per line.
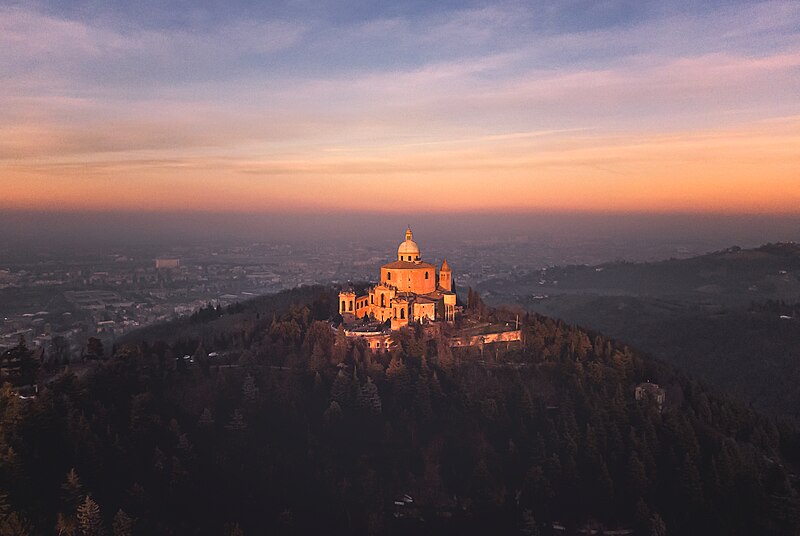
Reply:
x=529, y=527
x=318, y=359
x=90, y=519
x=657, y=526
x=318, y=383
x=369, y=399
x=333, y=414
x=178, y=473
x=159, y=459
x=18, y=365
x=122, y=524
x=15, y=525
x=641, y=517
x=72, y=490
x=636, y=476
x=232, y=529
x=422, y=393
x=237, y=422
x=436, y=388
x=340, y=347
x=444, y=355
x=66, y=525
x=319, y=335
x=340, y=390
x=398, y=375
x=5, y=508
x=206, y=418
x=184, y=444
x=249, y=390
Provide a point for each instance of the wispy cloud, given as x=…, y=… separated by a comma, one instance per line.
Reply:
x=517, y=92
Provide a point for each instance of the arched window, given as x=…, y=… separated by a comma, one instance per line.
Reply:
x=402, y=313
x=383, y=300
x=388, y=276
x=426, y=275
x=372, y=299
x=351, y=305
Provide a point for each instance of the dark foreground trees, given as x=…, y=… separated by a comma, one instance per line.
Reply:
x=300, y=431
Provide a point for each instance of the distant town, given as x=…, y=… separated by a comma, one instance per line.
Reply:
x=63, y=299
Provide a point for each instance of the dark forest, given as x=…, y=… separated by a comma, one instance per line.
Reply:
x=262, y=419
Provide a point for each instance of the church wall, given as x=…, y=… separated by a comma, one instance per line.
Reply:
x=410, y=279
x=381, y=297
x=362, y=307
x=424, y=310
x=398, y=323
x=489, y=338
x=400, y=310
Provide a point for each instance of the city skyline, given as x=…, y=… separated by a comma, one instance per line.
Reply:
x=291, y=107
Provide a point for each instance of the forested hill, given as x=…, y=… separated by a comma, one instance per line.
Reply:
x=734, y=276
x=280, y=425
x=729, y=317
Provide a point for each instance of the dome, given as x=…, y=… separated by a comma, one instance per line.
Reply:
x=408, y=250
x=409, y=247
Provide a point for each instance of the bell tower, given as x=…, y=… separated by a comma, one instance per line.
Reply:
x=347, y=298
x=445, y=277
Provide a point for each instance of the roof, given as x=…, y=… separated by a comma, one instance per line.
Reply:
x=406, y=265
x=437, y=294
x=445, y=266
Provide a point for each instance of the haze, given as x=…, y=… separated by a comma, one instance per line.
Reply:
x=628, y=233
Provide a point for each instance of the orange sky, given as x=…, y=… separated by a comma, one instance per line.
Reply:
x=749, y=168
x=457, y=110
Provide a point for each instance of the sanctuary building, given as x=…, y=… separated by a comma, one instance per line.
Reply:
x=410, y=290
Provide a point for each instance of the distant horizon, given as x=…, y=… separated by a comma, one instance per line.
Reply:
x=126, y=227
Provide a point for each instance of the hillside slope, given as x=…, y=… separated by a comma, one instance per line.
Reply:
x=293, y=429
x=719, y=316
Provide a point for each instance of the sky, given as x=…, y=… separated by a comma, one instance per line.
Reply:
x=400, y=108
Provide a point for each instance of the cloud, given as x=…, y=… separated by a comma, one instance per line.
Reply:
x=504, y=92
x=91, y=52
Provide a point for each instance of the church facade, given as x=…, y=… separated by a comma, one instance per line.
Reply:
x=410, y=290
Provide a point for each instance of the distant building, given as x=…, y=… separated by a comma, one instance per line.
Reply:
x=94, y=300
x=651, y=391
x=410, y=291
x=168, y=263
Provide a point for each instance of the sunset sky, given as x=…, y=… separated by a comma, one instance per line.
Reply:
x=398, y=106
